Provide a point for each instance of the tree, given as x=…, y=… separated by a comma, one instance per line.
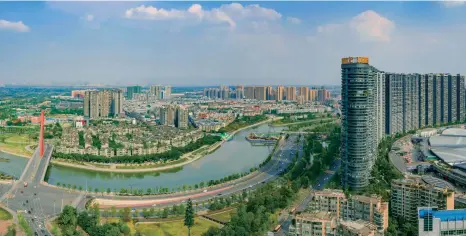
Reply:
x=68, y=220
x=189, y=216
x=114, y=211
x=109, y=190
x=165, y=212
x=95, y=211
x=127, y=214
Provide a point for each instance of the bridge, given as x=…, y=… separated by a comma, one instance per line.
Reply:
x=31, y=196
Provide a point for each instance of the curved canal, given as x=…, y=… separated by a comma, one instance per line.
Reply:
x=234, y=156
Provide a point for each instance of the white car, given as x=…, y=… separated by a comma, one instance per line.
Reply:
x=205, y=191
x=154, y=205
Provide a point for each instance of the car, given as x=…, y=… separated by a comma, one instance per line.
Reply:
x=154, y=205
x=205, y=191
x=183, y=201
x=219, y=194
x=250, y=186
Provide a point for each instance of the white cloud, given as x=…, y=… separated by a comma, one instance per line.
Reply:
x=18, y=26
x=226, y=13
x=293, y=20
x=452, y=3
x=369, y=25
x=88, y=17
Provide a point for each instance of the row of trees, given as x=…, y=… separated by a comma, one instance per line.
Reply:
x=154, y=190
x=89, y=221
x=174, y=154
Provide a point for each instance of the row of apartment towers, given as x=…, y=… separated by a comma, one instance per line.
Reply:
x=103, y=103
x=278, y=93
x=375, y=104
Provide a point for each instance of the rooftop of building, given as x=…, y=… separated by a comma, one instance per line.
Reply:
x=450, y=146
x=316, y=216
x=443, y=215
x=359, y=227
x=329, y=193
x=416, y=182
x=440, y=183
x=367, y=199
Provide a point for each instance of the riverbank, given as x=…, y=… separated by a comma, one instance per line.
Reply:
x=15, y=154
x=303, y=122
x=16, y=144
x=191, y=157
x=138, y=169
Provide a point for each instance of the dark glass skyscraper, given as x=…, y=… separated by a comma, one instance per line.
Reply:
x=359, y=121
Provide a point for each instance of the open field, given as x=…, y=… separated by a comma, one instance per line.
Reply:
x=224, y=216
x=16, y=144
x=5, y=215
x=174, y=228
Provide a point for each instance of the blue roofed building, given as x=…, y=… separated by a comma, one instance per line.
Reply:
x=434, y=222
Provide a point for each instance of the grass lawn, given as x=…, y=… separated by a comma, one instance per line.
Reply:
x=16, y=144
x=223, y=216
x=5, y=215
x=174, y=228
x=145, y=166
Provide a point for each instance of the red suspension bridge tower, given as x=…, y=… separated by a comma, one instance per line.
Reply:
x=41, y=137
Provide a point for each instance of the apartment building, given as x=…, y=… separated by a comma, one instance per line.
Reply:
x=280, y=93
x=359, y=121
x=249, y=92
x=168, y=115
x=181, y=118
x=411, y=193
x=314, y=224
x=260, y=93
x=290, y=93
x=103, y=103
x=132, y=90
x=239, y=92
x=371, y=209
x=156, y=90
x=312, y=95
x=304, y=93
x=327, y=200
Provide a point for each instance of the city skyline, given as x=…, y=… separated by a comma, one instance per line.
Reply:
x=265, y=43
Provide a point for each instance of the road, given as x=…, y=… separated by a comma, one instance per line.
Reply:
x=278, y=164
x=37, y=202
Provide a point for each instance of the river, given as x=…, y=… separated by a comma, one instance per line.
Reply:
x=234, y=156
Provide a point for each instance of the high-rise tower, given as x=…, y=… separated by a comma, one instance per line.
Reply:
x=359, y=121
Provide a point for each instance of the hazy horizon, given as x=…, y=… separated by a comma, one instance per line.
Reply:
x=216, y=43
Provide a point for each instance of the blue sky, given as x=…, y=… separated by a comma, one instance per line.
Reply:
x=212, y=43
